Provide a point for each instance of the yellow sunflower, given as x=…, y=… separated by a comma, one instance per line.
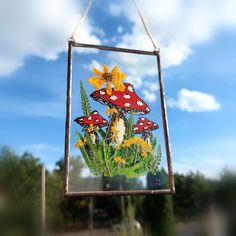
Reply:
x=115, y=77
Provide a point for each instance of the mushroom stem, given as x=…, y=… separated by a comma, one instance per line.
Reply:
x=117, y=127
x=94, y=136
x=147, y=137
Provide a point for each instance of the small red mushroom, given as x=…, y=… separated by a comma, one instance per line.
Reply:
x=145, y=127
x=93, y=120
x=127, y=100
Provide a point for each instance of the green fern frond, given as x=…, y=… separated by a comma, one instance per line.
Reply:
x=130, y=129
x=85, y=105
x=154, y=143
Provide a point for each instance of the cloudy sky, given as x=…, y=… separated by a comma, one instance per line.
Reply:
x=197, y=41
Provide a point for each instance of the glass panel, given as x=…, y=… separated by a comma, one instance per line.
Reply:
x=117, y=140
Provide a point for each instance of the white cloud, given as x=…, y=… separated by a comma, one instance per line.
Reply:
x=149, y=96
x=194, y=101
x=135, y=80
x=115, y=10
x=120, y=29
x=93, y=64
x=153, y=86
x=40, y=28
x=177, y=25
x=149, y=90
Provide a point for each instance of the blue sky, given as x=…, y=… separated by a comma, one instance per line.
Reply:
x=198, y=63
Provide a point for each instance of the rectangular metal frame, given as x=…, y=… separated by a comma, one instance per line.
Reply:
x=171, y=186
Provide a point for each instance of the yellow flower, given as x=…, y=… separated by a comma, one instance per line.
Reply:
x=114, y=130
x=145, y=148
x=107, y=77
x=80, y=143
x=119, y=160
x=110, y=111
x=144, y=154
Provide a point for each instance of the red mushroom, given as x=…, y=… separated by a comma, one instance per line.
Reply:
x=145, y=127
x=91, y=123
x=123, y=101
x=127, y=100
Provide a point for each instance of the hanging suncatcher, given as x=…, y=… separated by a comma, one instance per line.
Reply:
x=114, y=131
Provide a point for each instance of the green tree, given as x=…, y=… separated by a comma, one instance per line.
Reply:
x=20, y=182
x=54, y=197
x=225, y=195
x=193, y=195
x=73, y=210
x=158, y=212
x=158, y=215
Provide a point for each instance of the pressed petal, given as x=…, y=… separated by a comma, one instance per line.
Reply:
x=118, y=85
x=98, y=72
x=122, y=76
x=109, y=90
x=96, y=82
x=114, y=70
x=121, y=87
x=115, y=73
x=105, y=68
x=115, y=76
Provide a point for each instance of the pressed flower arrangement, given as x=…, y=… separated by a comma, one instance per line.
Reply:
x=113, y=146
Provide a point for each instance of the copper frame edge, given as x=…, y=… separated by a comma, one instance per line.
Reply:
x=66, y=193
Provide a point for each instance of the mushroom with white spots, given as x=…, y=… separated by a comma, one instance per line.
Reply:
x=145, y=127
x=126, y=101
x=91, y=123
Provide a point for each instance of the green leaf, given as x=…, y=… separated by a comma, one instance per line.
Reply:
x=159, y=151
x=133, y=172
x=78, y=135
x=86, y=153
x=154, y=161
x=130, y=128
x=102, y=133
x=84, y=100
x=88, y=160
x=94, y=152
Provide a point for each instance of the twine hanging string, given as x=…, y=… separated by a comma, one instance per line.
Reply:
x=146, y=28
x=76, y=30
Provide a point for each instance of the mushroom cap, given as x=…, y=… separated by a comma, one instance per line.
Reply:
x=143, y=124
x=126, y=100
x=92, y=119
